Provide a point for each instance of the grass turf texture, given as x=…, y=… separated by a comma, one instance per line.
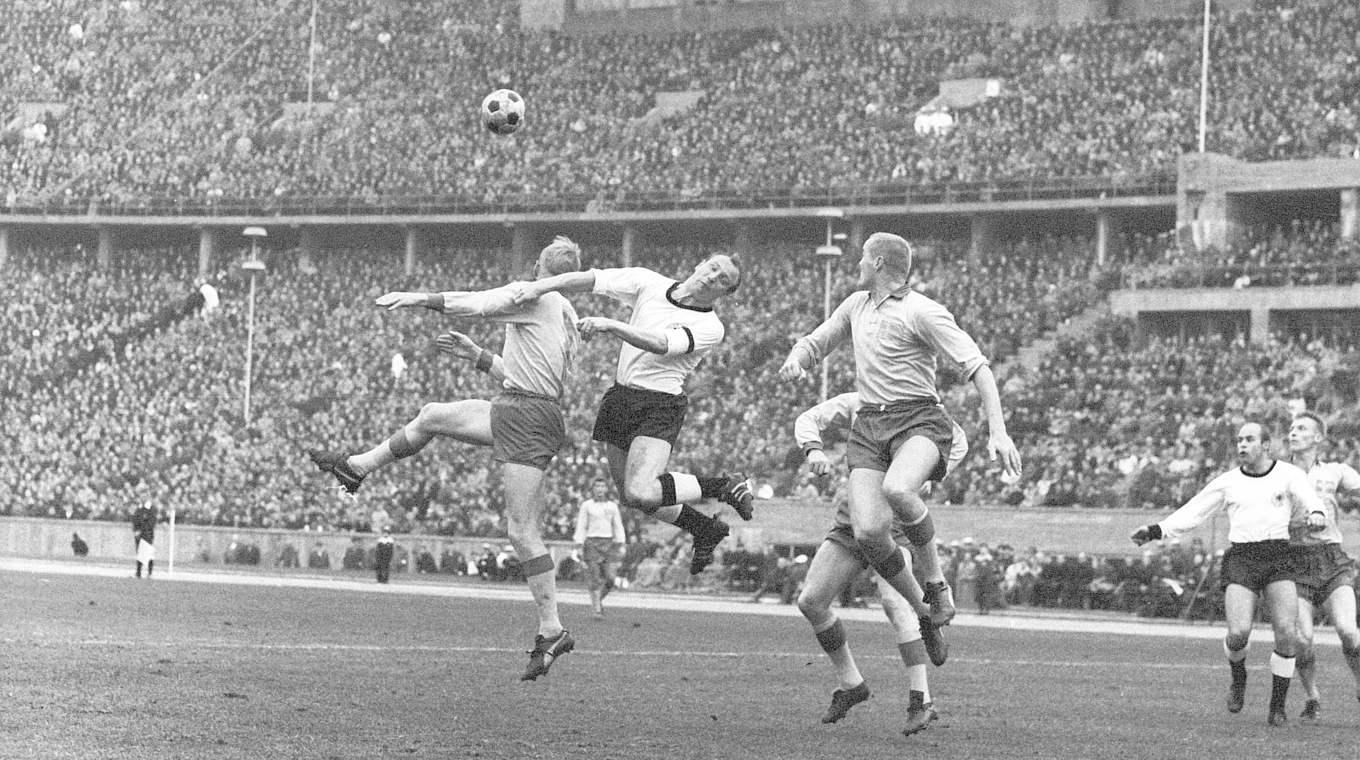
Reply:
x=98, y=667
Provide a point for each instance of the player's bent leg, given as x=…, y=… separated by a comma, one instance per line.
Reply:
x=831, y=569
x=1282, y=602
x=645, y=488
x=467, y=421
x=1239, y=607
x=912, y=465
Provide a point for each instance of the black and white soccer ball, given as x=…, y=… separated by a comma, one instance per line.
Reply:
x=503, y=111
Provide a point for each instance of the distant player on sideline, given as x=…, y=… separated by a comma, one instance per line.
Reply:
x=144, y=537
x=901, y=437
x=671, y=329
x=1263, y=498
x=1326, y=573
x=524, y=425
x=599, y=534
x=839, y=560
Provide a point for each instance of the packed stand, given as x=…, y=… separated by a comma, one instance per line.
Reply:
x=160, y=416
x=1119, y=419
x=1303, y=252
x=193, y=103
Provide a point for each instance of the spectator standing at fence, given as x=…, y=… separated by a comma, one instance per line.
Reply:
x=382, y=563
x=144, y=537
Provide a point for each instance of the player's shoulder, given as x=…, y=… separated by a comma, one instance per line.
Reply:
x=1289, y=469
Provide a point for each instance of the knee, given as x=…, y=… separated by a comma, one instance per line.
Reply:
x=873, y=530
x=1237, y=640
x=903, y=498
x=812, y=607
x=520, y=531
x=637, y=491
x=426, y=415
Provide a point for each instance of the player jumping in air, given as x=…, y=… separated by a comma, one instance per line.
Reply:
x=523, y=425
x=671, y=329
x=839, y=560
x=901, y=436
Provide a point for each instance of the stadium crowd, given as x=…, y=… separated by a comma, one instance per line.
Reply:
x=204, y=102
x=1303, y=252
x=148, y=403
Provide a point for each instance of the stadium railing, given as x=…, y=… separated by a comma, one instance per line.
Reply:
x=880, y=194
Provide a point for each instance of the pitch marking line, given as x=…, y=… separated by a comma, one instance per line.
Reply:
x=1011, y=620
x=611, y=653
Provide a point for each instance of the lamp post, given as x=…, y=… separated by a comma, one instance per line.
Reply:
x=829, y=253
x=254, y=266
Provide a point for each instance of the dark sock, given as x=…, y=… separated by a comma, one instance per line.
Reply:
x=916, y=700
x=1239, y=671
x=692, y=520
x=150, y=564
x=712, y=487
x=139, y=569
x=1279, y=692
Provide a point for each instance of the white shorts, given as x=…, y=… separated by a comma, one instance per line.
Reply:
x=146, y=551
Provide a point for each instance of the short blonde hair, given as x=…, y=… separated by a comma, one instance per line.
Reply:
x=895, y=250
x=561, y=255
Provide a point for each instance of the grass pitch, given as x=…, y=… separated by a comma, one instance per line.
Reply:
x=107, y=667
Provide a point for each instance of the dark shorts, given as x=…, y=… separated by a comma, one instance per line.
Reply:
x=626, y=413
x=879, y=432
x=1322, y=569
x=1259, y=564
x=843, y=535
x=526, y=429
x=596, y=555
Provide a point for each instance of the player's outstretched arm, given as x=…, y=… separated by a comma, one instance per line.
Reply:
x=404, y=300
x=462, y=346
x=567, y=282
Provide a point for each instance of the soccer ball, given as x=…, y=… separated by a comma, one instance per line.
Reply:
x=503, y=111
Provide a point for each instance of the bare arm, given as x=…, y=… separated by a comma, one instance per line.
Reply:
x=999, y=443
x=653, y=341
x=567, y=282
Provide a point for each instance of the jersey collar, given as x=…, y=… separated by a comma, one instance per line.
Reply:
x=670, y=296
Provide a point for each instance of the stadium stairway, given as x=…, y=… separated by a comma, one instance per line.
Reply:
x=1031, y=356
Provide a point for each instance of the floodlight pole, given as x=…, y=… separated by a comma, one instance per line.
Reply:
x=1204, y=80
x=254, y=266
x=828, y=252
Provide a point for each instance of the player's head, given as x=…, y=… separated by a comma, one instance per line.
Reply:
x=1306, y=432
x=560, y=256
x=716, y=276
x=599, y=489
x=886, y=258
x=1253, y=441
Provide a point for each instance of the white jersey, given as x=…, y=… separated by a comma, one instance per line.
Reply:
x=1260, y=507
x=691, y=331
x=599, y=519
x=1328, y=478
